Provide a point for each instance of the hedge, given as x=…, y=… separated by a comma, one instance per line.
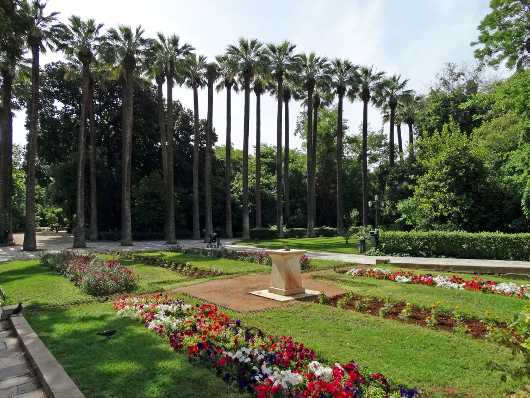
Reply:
x=295, y=232
x=263, y=233
x=484, y=245
x=326, y=232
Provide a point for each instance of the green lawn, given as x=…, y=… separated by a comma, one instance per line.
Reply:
x=332, y=245
x=432, y=361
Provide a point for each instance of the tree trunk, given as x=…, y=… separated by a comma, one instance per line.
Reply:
x=340, y=223
x=6, y=156
x=286, y=165
x=310, y=216
x=126, y=223
x=366, y=215
x=163, y=141
x=170, y=192
x=196, y=220
x=400, y=143
x=208, y=163
x=228, y=194
x=246, y=121
x=30, y=231
x=411, y=139
x=316, y=105
x=79, y=231
x=94, y=235
x=258, y=160
x=391, y=135
x=279, y=196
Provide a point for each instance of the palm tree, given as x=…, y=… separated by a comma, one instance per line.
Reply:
x=193, y=70
x=281, y=61
x=44, y=32
x=368, y=82
x=409, y=105
x=228, y=70
x=259, y=87
x=248, y=56
x=126, y=46
x=343, y=78
x=389, y=92
x=309, y=70
x=80, y=41
x=211, y=74
x=171, y=52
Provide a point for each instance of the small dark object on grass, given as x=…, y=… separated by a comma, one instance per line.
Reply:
x=285, y=247
x=105, y=300
x=17, y=310
x=107, y=333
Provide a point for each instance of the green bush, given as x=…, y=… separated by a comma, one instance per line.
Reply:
x=262, y=233
x=326, y=232
x=484, y=245
x=295, y=232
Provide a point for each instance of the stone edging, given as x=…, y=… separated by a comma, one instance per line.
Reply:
x=55, y=382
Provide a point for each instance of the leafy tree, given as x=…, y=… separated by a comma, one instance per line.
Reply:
x=248, y=55
x=504, y=34
x=44, y=32
x=126, y=46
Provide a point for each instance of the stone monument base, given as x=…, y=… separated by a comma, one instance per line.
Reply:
x=306, y=294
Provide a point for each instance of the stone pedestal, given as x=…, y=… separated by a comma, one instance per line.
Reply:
x=286, y=277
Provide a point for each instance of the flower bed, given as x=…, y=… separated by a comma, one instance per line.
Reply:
x=453, y=282
x=266, y=366
x=94, y=276
x=182, y=267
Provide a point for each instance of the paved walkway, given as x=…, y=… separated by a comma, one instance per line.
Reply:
x=62, y=240
x=17, y=378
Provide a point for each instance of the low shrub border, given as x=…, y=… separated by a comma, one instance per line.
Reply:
x=265, y=366
x=454, y=282
x=484, y=245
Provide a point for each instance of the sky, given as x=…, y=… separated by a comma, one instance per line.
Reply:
x=411, y=38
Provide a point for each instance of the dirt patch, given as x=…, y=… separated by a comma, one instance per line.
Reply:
x=47, y=238
x=233, y=293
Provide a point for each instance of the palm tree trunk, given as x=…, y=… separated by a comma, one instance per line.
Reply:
x=246, y=121
x=340, y=223
x=400, y=143
x=366, y=216
x=6, y=156
x=411, y=139
x=79, y=232
x=170, y=193
x=286, y=164
x=94, y=235
x=228, y=149
x=126, y=223
x=196, y=220
x=310, y=216
x=391, y=135
x=279, y=196
x=258, y=160
x=163, y=141
x=30, y=231
x=316, y=105
x=208, y=164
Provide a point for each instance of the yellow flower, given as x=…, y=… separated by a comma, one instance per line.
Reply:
x=367, y=299
x=404, y=311
x=428, y=317
x=387, y=299
x=408, y=305
x=321, y=291
x=495, y=328
x=487, y=312
x=457, y=307
x=342, y=299
x=488, y=328
x=433, y=306
x=469, y=330
x=367, y=294
x=458, y=316
x=438, y=302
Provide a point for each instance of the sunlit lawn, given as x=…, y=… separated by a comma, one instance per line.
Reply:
x=335, y=244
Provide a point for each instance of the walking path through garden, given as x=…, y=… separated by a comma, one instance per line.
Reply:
x=63, y=240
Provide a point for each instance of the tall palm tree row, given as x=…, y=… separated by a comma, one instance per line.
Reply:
x=368, y=83
x=258, y=86
x=80, y=41
x=343, y=74
x=249, y=57
x=212, y=74
x=126, y=46
x=282, y=61
x=228, y=71
x=193, y=74
x=44, y=32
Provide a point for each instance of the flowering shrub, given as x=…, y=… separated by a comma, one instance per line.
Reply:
x=266, y=366
x=453, y=282
x=94, y=276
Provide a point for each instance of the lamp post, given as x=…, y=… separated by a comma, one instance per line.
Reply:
x=375, y=204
